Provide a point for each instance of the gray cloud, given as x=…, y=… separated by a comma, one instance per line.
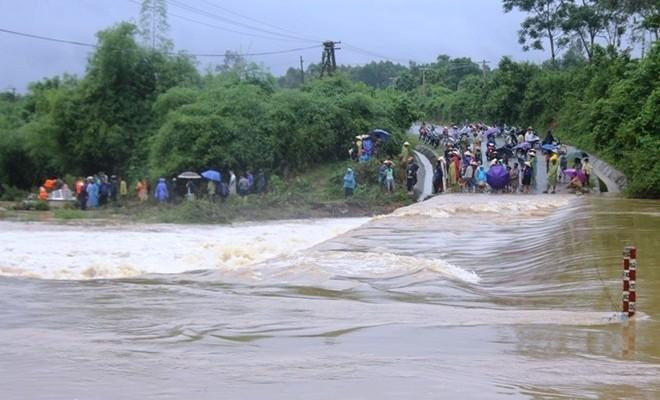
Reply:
x=416, y=30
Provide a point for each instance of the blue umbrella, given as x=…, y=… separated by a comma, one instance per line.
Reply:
x=381, y=134
x=549, y=147
x=212, y=175
x=497, y=177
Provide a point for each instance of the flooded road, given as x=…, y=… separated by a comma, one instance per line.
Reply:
x=462, y=296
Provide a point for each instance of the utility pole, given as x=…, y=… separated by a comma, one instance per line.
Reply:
x=328, y=60
x=484, y=70
x=302, y=72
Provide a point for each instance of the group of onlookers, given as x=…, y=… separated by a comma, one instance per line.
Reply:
x=100, y=189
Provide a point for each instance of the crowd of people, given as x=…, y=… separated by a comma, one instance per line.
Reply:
x=100, y=189
x=510, y=161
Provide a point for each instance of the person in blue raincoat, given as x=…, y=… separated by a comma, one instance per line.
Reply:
x=92, y=193
x=349, y=182
x=481, y=177
x=161, y=194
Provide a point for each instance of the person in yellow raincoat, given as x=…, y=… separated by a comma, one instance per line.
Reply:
x=405, y=154
x=453, y=171
x=123, y=190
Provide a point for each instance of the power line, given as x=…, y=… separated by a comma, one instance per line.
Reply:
x=50, y=39
x=76, y=43
x=359, y=50
x=208, y=14
x=222, y=28
x=212, y=4
x=265, y=53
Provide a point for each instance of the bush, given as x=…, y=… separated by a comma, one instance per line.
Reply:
x=31, y=205
x=10, y=193
x=193, y=212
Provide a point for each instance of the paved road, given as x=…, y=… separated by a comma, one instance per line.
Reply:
x=425, y=176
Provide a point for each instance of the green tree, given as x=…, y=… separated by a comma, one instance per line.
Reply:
x=545, y=21
x=154, y=27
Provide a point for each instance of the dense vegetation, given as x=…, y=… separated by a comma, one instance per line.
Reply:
x=151, y=113
x=591, y=91
x=148, y=113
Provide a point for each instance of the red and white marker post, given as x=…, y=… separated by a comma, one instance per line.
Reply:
x=629, y=280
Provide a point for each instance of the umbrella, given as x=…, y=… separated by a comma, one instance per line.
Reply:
x=497, y=177
x=381, y=134
x=492, y=131
x=212, y=175
x=576, y=154
x=548, y=147
x=504, y=150
x=524, y=146
x=571, y=172
x=189, y=175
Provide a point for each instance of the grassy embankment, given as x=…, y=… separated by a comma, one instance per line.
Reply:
x=316, y=193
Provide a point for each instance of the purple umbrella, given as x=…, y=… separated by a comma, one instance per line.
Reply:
x=524, y=146
x=497, y=177
x=492, y=131
x=572, y=172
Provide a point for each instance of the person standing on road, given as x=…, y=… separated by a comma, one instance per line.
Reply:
x=588, y=170
x=527, y=177
x=553, y=172
x=439, y=176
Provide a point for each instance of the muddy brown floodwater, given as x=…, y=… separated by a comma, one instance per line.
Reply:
x=461, y=296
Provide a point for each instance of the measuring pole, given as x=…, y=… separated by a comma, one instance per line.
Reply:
x=629, y=280
x=302, y=72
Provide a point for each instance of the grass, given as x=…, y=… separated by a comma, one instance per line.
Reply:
x=72, y=214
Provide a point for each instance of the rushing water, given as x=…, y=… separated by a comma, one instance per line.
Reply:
x=461, y=296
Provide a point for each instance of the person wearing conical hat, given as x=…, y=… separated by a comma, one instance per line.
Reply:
x=389, y=176
x=405, y=152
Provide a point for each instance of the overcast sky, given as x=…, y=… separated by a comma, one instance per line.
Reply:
x=403, y=30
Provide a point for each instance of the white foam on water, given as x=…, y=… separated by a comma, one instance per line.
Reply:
x=85, y=252
x=317, y=267
x=504, y=205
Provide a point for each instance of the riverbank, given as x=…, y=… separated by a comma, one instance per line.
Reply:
x=316, y=193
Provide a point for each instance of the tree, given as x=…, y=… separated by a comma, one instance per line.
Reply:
x=584, y=21
x=615, y=19
x=154, y=26
x=545, y=21
x=645, y=15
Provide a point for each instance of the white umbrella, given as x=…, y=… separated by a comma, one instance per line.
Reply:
x=189, y=175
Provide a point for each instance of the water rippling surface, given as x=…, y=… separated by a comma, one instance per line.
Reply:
x=468, y=296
